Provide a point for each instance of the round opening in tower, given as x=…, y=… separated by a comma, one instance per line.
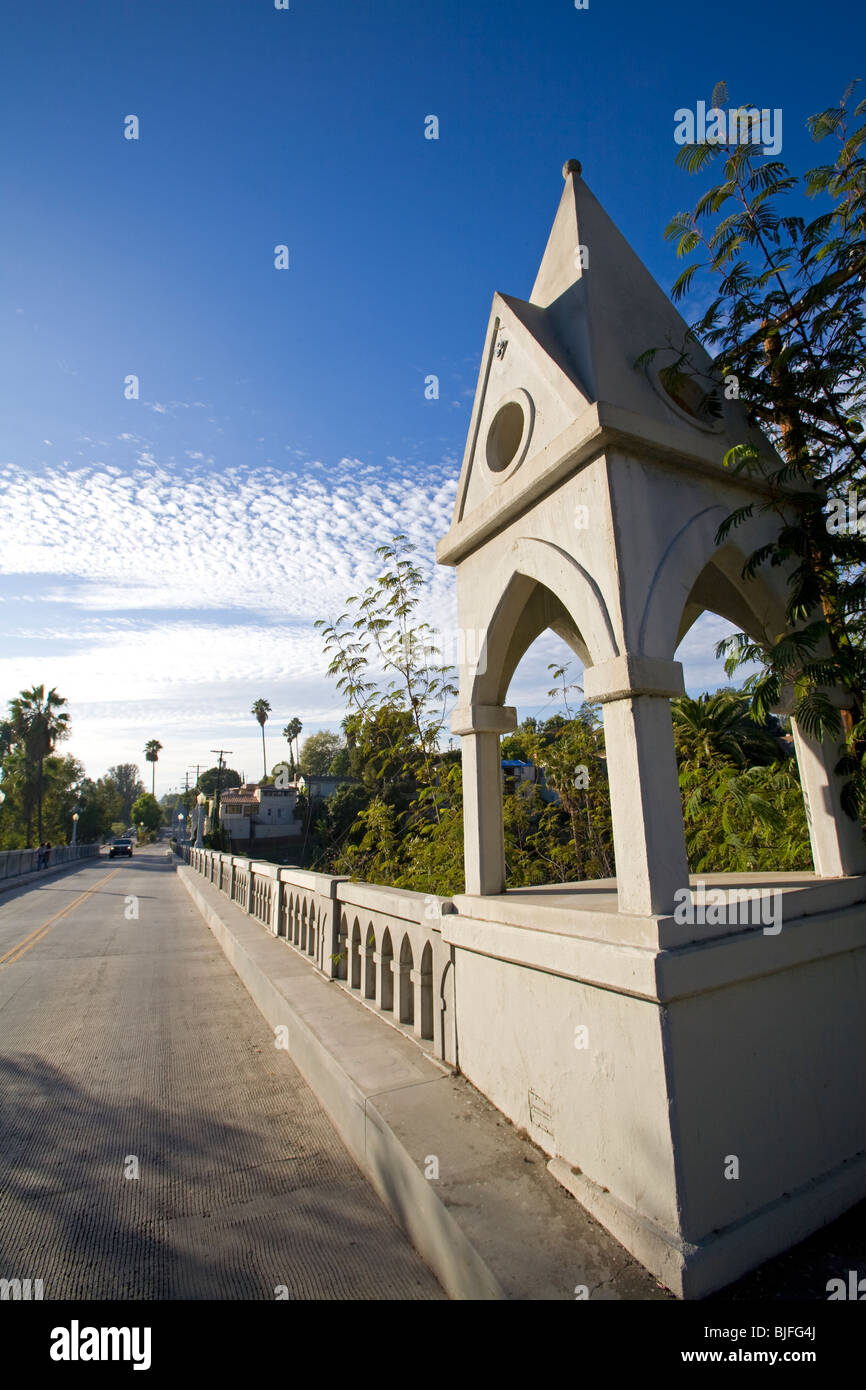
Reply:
x=704, y=405
x=504, y=436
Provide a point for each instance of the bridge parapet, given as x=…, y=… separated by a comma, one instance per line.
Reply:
x=382, y=944
x=15, y=862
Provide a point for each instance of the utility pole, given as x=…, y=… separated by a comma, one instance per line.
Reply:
x=186, y=805
x=222, y=753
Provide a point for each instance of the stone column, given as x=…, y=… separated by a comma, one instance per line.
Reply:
x=276, y=904
x=480, y=727
x=648, y=835
x=379, y=961
x=838, y=846
x=403, y=977
x=368, y=954
x=416, y=977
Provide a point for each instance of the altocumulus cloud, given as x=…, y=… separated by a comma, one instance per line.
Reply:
x=159, y=598
x=164, y=599
x=250, y=538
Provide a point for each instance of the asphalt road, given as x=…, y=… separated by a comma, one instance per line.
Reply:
x=128, y=1046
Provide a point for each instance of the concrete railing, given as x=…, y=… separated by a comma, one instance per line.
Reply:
x=382, y=944
x=16, y=862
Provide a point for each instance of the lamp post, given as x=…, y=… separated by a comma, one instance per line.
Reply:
x=179, y=824
x=199, y=817
x=74, y=827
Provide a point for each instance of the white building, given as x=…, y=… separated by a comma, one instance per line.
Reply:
x=255, y=813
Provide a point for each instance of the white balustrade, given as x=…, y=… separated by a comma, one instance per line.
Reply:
x=382, y=944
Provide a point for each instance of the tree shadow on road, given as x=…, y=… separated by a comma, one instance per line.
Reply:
x=218, y=1209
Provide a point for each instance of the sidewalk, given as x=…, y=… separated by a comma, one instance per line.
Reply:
x=493, y=1224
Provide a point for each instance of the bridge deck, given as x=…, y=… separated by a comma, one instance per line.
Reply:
x=128, y=1041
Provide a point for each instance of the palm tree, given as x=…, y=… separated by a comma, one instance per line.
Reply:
x=292, y=731
x=152, y=750
x=261, y=709
x=715, y=730
x=36, y=725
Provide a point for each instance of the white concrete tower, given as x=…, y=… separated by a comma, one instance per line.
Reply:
x=589, y=501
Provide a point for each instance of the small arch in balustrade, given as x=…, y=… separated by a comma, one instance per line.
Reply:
x=342, y=962
x=355, y=956
x=427, y=992
x=405, y=987
x=386, y=993
x=446, y=1013
x=369, y=963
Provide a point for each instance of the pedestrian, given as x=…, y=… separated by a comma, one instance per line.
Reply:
x=47, y=854
x=40, y=855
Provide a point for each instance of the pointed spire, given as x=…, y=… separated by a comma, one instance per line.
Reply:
x=560, y=265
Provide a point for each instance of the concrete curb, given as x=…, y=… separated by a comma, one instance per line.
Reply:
x=494, y=1224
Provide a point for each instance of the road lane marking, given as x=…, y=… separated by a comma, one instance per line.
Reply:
x=15, y=952
x=43, y=925
x=22, y=947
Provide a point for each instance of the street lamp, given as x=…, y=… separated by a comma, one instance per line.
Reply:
x=199, y=816
x=179, y=824
x=74, y=827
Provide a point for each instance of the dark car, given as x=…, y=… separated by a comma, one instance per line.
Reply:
x=120, y=847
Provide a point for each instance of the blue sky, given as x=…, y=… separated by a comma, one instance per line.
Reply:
x=164, y=558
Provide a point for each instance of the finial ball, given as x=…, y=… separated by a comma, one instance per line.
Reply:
x=571, y=166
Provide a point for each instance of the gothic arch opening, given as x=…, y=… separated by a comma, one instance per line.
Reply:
x=525, y=611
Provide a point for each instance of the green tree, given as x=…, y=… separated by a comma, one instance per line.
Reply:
x=380, y=631
x=717, y=730
x=125, y=780
x=574, y=836
x=37, y=722
x=741, y=820
x=292, y=731
x=788, y=328
x=66, y=790
x=62, y=782
x=318, y=753
x=152, y=750
x=386, y=665
x=100, y=805
x=340, y=763
x=147, y=812
x=261, y=709
x=215, y=777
